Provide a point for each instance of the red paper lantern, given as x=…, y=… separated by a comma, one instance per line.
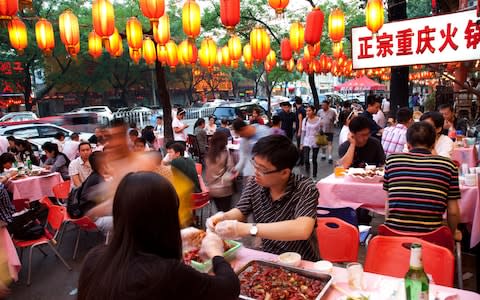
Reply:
x=172, y=55
x=149, y=52
x=278, y=5
x=119, y=52
x=230, y=14
x=135, y=55
x=103, y=18
x=337, y=49
x=260, y=43
x=113, y=43
x=134, y=33
x=289, y=65
x=162, y=33
x=315, y=66
x=8, y=9
x=286, y=50
x=336, y=25
x=208, y=53
x=17, y=32
x=191, y=19
x=297, y=33
x=162, y=54
x=188, y=52
x=94, y=45
x=219, y=57
x=268, y=67
x=300, y=65
x=153, y=9
x=69, y=30
x=314, y=26
x=247, y=55
x=374, y=15
x=271, y=59
x=45, y=36
x=235, y=50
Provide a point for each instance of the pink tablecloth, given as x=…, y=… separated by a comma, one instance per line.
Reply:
x=8, y=249
x=371, y=281
x=465, y=156
x=335, y=193
x=34, y=187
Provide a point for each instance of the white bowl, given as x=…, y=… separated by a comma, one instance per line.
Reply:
x=290, y=258
x=323, y=266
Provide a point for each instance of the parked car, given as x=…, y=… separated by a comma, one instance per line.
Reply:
x=232, y=111
x=18, y=117
x=104, y=113
x=38, y=133
x=140, y=109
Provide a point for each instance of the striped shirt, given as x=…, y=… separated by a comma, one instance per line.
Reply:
x=300, y=200
x=419, y=186
x=394, y=139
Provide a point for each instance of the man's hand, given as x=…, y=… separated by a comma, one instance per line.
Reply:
x=185, y=126
x=457, y=236
x=351, y=139
x=213, y=220
x=228, y=230
x=212, y=245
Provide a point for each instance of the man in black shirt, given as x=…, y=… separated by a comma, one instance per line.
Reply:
x=288, y=118
x=373, y=106
x=361, y=148
x=300, y=114
x=451, y=121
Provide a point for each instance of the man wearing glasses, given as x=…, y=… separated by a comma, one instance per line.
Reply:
x=283, y=204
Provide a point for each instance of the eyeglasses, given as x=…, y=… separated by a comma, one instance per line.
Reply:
x=262, y=172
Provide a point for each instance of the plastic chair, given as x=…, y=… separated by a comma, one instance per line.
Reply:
x=48, y=203
x=338, y=240
x=442, y=236
x=348, y=215
x=21, y=204
x=61, y=191
x=55, y=218
x=199, y=201
x=390, y=255
x=85, y=224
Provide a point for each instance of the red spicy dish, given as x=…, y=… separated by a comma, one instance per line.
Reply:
x=196, y=242
x=264, y=282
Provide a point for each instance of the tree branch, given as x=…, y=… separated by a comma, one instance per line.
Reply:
x=252, y=17
x=311, y=3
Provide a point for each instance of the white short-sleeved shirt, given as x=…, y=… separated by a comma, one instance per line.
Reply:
x=70, y=149
x=444, y=146
x=80, y=168
x=182, y=136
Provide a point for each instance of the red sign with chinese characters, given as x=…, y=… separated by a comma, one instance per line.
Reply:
x=437, y=39
x=7, y=69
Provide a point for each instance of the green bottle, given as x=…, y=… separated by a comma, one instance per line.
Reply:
x=416, y=280
x=29, y=164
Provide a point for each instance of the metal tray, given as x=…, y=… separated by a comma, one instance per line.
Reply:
x=326, y=278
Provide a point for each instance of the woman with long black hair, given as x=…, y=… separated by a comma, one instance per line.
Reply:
x=56, y=160
x=144, y=257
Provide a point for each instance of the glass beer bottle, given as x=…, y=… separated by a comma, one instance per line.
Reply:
x=416, y=280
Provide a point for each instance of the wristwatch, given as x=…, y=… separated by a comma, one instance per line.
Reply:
x=254, y=230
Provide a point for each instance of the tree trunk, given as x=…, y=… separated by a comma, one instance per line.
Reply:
x=165, y=100
x=27, y=87
x=269, y=95
x=313, y=87
x=397, y=10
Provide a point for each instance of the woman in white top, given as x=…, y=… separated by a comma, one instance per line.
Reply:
x=343, y=136
x=443, y=145
x=179, y=134
x=310, y=129
x=211, y=127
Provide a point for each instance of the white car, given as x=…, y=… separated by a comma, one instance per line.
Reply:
x=38, y=133
x=104, y=113
x=19, y=116
x=141, y=109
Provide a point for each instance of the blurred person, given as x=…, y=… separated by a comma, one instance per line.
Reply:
x=344, y=132
x=361, y=148
x=25, y=152
x=276, y=127
x=417, y=115
x=211, y=127
x=452, y=123
x=421, y=186
x=183, y=164
x=179, y=134
x=373, y=106
x=97, y=137
x=327, y=116
x=283, y=204
x=59, y=139
x=159, y=125
x=300, y=114
x=443, y=144
x=224, y=128
x=415, y=102
x=80, y=168
x=310, y=129
x=256, y=117
x=4, y=144
x=287, y=118
x=249, y=135
x=391, y=121
x=132, y=137
x=70, y=148
x=143, y=262
x=56, y=160
x=149, y=135
x=394, y=138
x=201, y=135
x=90, y=190
x=385, y=105
x=7, y=160
x=379, y=118
x=11, y=144
x=140, y=145
x=219, y=176
x=344, y=113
